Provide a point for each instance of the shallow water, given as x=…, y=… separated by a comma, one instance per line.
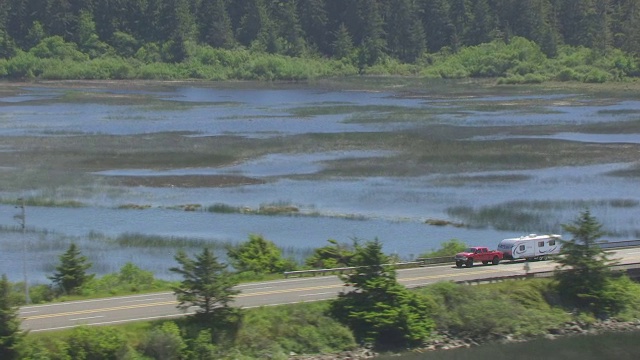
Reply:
x=392, y=209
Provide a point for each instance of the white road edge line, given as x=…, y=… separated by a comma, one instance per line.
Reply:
x=87, y=318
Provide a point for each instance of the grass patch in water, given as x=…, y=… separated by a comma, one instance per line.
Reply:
x=137, y=240
x=221, y=208
x=43, y=202
x=631, y=172
x=399, y=115
x=133, y=207
x=342, y=108
x=174, y=105
x=524, y=215
x=618, y=112
x=462, y=180
x=279, y=208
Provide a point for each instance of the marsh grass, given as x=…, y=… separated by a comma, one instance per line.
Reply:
x=332, y=108
x=137, y=240
x=609, y=127
x=279, y=208
x=43, y=202
x=399, y=115
x=517, y=107
x=631, y=172
x=463, y=180
x=524, y=215
x=175, y=105
x=619, y=112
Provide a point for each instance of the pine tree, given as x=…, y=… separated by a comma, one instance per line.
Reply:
x=10, y=334
x=625, y=23
x=183, y=31
x=315, y=24
x=342, y=46
x=71, y=274
x=584, y=268
x=437, y=23
x=254, y=24
x=206, y=283
x=380, y=310
x=481, y=24
x=215, y=24
x=405, y=33
x=290, y=37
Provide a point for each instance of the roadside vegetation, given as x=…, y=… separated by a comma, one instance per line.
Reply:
x=380, y=313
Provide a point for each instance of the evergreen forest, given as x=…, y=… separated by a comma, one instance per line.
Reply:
x=117, y=38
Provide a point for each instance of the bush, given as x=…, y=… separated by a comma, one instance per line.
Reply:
x=164, y=342
x=96, y=343
x=596, y=76
x=307, y=330
x=481, y=312
x=567, y=74
x=55, y=47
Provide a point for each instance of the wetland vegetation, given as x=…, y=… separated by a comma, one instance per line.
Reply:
x=429, y=159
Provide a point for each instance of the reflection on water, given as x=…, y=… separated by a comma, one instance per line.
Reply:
x=391, y=209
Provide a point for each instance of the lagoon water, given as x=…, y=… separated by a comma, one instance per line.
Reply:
x=392, y=209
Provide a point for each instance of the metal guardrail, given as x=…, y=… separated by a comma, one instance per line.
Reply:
x=434, y=261
x=632, y=270
x=345, y=270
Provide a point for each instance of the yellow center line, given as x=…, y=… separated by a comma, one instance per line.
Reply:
x=283, y=291
x=137, y=306
x=92, y=311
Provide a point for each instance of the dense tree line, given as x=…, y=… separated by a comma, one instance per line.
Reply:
x=367, y=30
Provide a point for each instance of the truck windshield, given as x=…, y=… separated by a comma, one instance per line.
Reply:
x=470, y=250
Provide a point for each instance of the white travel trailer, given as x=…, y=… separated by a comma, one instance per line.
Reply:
x=530, y=247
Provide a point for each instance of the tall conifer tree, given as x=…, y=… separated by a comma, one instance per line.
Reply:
x=10, y=333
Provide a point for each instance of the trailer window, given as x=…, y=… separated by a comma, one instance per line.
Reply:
x=540, y=243
x=552, y=242
x=521, y=247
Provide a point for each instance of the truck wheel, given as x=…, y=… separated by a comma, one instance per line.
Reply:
x=470, y=263
x=496, y=260
x=459, y=264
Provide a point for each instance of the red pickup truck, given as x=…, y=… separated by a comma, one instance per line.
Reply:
x=478, y=254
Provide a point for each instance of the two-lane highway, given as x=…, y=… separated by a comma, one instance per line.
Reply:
x=286, y=291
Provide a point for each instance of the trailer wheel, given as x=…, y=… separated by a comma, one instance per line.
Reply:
x=470, y=262
x=496, y=260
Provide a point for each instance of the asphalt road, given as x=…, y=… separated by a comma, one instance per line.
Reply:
x=286, y=291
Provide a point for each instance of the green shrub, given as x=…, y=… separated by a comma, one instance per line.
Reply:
x=497, y=309
x=307, y=330
x=164, y=342
x=96, y=343
x=55, y=47
x=567, y=74
x=596, y=76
